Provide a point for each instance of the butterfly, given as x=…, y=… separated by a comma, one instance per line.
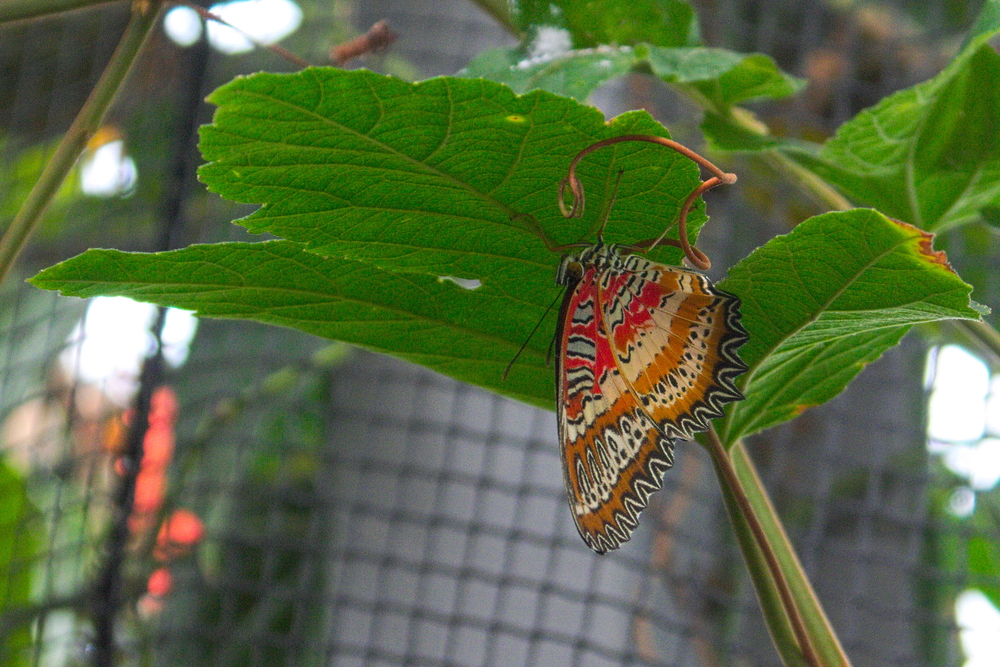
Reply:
x=646, y=354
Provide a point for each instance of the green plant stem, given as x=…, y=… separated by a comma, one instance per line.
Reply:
x=16, y=10
x=820, y=630
x=86, y=123
x=747, y=514
x=824, y=194
x=782, y=635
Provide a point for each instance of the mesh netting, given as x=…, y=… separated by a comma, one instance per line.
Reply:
x=335, y=507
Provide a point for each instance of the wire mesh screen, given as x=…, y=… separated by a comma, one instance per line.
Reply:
x=443, y=539
x=307, y=504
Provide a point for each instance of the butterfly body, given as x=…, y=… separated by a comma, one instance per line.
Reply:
x=647, y=353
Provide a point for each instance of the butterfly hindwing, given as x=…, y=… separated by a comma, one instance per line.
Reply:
x=646, y=353
x=675, y=337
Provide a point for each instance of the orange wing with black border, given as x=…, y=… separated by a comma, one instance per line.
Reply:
x=646, y=353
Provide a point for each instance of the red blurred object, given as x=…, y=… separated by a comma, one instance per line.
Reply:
x=182, y=530
x=158, y=449
x=160, y=582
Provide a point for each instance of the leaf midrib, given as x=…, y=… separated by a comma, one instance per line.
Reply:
x=960, y=199
x=823, y=307
x=207, y=289
x=761, y=409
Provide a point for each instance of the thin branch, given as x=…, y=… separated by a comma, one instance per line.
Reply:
x=276, y=49
x=694, y=255
x=378, y=38
x=86, y=123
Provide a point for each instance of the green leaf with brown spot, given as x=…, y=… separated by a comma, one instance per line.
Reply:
x=826, y=299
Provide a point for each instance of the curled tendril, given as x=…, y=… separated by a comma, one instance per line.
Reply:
x=696, y=257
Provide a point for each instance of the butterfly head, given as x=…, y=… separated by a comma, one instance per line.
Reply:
x=570, y=270
x=599, y=256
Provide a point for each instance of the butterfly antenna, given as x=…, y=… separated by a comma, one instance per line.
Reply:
x=611, y=205
x=548, y=355
x=528, y=339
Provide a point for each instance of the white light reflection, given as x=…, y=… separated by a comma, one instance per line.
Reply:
x=108, y=347
x=182, y=25
x=464, y=283
x=267, y=21
x=962, y=502
x=549, y=43
x=978, y=462
x=957, y=410
x=107, y=171
x=979, y=621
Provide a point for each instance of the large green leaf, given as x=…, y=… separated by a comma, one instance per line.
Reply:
x=387, y=188
x=825, y=300
x=930, y=154
x=594, y=22
x=449, y=177
x=470, y=335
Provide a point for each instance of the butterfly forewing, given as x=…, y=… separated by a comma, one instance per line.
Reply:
x=647, y=353
x=606, y=435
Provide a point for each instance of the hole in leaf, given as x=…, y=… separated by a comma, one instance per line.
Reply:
x=464, y=283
